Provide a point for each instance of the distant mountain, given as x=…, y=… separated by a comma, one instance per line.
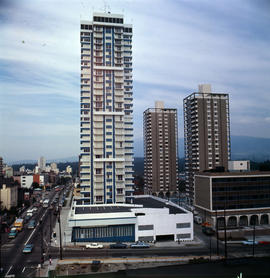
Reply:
x=252, y=148
x=243, y=147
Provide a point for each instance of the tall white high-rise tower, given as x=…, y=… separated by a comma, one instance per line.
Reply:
x=106, y=136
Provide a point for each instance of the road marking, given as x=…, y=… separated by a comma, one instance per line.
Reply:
x=23, y=270
x=8, y=271
x=35, y=228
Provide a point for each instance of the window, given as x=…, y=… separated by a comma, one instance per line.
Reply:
x=98, y=171
x=145, y=227
x=182, y=225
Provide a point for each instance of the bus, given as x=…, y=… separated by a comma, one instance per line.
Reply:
x=46, y=203
x=18, y=224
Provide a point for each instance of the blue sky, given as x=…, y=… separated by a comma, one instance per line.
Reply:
x=176, y=46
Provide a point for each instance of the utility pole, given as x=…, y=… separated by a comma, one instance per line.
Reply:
x=50, y=227
x=210, y=247
x=41, y=243
x=60, y=235
x=225, y=235
x=217, y=235
x=253, y=245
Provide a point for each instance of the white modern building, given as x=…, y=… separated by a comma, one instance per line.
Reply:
x=106, y=134
x=149, y=218
x=26, y=181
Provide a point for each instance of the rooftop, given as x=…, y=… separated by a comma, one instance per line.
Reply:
x=145, y=200
x=233, y=174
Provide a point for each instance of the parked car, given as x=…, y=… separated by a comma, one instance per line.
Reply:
x=264, y=242
x=94, y=245
x=28, y=248
x=249, y=242
x=118, y=245
x=140, y=244
x=13, y=233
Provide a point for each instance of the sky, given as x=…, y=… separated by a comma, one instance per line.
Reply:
x=176, y=46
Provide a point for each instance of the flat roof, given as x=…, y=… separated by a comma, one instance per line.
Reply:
x=102, y=209
x=233, y=174
x=145, y=201
x=151, y=202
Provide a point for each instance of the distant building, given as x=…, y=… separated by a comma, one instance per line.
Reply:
x=26, y=181
x=148, y=219
x=22, y=169
x=54, y=168
x=239, y=165
x=36, y=170
x=1, y=167
x=206, y=133
x=48, y=168
x=8, y=193
x=42, y=163
x=245, y=197
x=160, y=150
x=69, y=169
x=8, y=171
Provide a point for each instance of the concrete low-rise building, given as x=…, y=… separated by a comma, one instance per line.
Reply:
x=149, y=218
x=8, y=193
x=239, y=198
x=26, y=181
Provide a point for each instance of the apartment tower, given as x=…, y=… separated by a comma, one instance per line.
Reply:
x=106, y=135
x=206, y=133
x=160, y=150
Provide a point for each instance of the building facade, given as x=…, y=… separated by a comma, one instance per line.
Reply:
x=242, y=198
x=42, y=163
x=149, y=218
x=106, y=135
x=160, y=151
x=206, y=133
x=8, y=193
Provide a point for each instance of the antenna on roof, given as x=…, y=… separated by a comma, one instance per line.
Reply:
x=105, y=6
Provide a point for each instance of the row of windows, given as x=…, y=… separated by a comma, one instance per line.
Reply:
x=243, y=179
x=108, y=19
x=241, y=188
x=242, y=197
x=99, y=232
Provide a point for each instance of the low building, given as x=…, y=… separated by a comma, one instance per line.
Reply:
x=26, y=181
x=149, y=218
x=240, y=198
x=238, y=165
x=8, y=193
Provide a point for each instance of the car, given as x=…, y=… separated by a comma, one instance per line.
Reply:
x=118, y=245
x=94, y=245
x=249, y=242
x=140, y=244
x=27, y=217
x=264, y=242
x=13, y=233
x=32, y=224
x=28, y=248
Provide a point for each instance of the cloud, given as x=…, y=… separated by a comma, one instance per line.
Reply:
x=176, y=46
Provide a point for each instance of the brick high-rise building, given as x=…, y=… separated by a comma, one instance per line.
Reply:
x=206, y=133
x=160, y=150
x=106, y=137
